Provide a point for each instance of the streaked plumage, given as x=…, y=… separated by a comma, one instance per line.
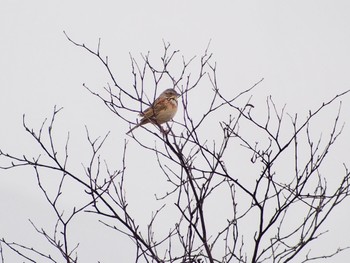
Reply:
x=162, y=110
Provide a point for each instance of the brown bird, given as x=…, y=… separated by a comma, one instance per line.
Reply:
x=162, y=110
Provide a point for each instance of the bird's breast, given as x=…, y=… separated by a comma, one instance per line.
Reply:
x=168, y=112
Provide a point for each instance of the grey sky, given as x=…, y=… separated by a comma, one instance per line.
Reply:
x=300, y=48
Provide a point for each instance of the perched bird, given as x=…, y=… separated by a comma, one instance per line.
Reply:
x=162, y=110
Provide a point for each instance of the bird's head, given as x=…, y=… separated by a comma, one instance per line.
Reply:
x=170, y=94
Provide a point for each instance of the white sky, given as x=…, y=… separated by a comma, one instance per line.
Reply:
x=301, y=48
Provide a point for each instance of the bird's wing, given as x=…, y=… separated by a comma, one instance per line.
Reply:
x=157, y=106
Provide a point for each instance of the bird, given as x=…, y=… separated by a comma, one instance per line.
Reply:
x=162, y=110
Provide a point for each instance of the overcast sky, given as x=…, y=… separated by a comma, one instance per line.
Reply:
x=301, y=49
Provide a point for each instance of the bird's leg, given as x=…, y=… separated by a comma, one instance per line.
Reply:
x=162, y=130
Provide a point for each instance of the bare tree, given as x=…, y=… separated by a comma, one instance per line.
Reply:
x=199, y=171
